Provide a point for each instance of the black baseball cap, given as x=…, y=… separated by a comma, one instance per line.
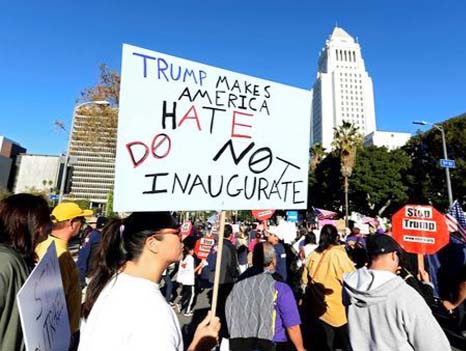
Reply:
x=101, y=222
x=380, y=244
x=150, y=222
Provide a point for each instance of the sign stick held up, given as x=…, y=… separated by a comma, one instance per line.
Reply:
x=218, y=265
x=420, y=263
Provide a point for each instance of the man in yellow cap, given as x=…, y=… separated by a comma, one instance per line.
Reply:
x=67, y=219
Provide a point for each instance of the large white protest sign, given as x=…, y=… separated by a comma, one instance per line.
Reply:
x=42, y=306
x=196, y=137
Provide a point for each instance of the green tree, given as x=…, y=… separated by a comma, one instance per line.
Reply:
x=318, y=153
x=378, y=180
x=426, y=179
x=347, y=140
x=324, y=182
x=109, y=206
x=81, y=203
x=4, y=193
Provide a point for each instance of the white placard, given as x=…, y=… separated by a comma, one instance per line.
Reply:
x=196, y=137
x=42, y=306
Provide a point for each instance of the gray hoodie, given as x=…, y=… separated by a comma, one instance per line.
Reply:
x=385, y=313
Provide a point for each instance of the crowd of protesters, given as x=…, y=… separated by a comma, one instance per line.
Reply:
x=134, y=275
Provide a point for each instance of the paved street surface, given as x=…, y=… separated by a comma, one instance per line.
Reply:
x=188, y=324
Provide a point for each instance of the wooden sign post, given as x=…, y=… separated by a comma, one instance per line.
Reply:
x=218, y=265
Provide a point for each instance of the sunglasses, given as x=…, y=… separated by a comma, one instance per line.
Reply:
x=169, y=231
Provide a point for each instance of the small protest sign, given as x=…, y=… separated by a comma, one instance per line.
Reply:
x=186, y=229
x=42, y=306
x=196, y=137
x=420, y=229
x=203, y=246
x=262, y=215
x=292, y=216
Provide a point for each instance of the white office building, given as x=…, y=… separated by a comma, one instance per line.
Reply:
x=391, y=140
x=90, y=167
x=342, y=91
x=37, y=173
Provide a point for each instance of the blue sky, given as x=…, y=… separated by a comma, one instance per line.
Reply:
x=415, y=52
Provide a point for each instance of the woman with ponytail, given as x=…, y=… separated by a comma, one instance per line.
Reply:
x=124, y=308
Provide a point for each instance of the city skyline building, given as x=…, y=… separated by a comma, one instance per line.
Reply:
x=38, y=173
x=343, y=90
x=391, y=140
x=91, y=165
x=9, y=151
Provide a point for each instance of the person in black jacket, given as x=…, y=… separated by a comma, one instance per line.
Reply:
x=419, y=281
x=88, y=250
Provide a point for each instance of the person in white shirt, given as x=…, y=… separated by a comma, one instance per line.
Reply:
x=186, y=274
x=124, y=308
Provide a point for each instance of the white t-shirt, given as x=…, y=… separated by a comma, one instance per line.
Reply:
x=130, y=314
x=186, y=271
x=308, y=249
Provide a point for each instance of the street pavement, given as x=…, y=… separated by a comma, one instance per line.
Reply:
x=188, y=324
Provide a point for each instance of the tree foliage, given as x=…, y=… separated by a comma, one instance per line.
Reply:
x=325, y=182
x=99, y=129
x=347, y=140
x=4, y=193
x=317, y=154
x=107, y=88
x=378, y=180
x=426, y=179
x=382, y=181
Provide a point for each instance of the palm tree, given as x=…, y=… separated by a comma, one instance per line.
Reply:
x=318, y=153
x=346, y=142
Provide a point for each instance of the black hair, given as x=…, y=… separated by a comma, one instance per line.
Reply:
x=228, y=230
x=24, y=222
x=310, y=238
x=123, y=240
x=328, y=236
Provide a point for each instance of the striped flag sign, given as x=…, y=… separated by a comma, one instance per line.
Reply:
x=452, y=223
x=372, y=221
x=324, y=214
x=456, y=220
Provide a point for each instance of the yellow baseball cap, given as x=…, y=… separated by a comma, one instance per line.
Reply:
x=68, y=210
